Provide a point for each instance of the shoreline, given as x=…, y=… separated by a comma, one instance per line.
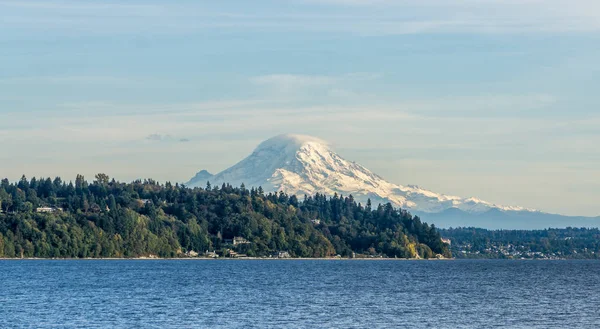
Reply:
x=234, y=259
x=287, y=259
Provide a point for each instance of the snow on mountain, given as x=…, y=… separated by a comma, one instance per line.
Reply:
x=299, y=165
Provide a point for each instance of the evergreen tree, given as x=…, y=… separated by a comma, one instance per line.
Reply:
x=112, y=219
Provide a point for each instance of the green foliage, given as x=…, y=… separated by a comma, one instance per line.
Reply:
x=1, y=245
x=112, y=219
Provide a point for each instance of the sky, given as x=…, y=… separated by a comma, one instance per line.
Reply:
x=497, y=99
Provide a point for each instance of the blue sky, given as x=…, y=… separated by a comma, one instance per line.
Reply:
x=496, y=99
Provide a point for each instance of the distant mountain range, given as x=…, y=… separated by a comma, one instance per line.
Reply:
x=299, y=165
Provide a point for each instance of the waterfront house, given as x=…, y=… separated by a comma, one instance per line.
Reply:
x=281, y=254
x=191, y=253
x=211, y=254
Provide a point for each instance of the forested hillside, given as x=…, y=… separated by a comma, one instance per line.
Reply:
x=106, y=218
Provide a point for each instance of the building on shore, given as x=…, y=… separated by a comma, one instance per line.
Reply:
x=233, y=254
x=281, y=254
x=191, y=253
x=211, y=254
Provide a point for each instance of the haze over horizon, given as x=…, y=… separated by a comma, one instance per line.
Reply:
x=495, y=99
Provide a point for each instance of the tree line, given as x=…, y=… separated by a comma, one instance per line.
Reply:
x=573, y=243
x=51, y=218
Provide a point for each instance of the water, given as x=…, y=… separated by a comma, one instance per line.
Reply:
x=307, y=294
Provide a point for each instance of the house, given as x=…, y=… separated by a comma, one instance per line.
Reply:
x=46, y=209
x=239, y=240
x=211, y=254
x=235, y=241
x=191, y=253
x=315, y=221
x=446, y=241
x=281, y=254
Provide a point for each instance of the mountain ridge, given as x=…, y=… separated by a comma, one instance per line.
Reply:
x=300, y=164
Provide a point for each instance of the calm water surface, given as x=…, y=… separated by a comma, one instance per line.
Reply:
x=299, y=294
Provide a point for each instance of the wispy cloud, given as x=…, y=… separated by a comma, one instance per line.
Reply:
x=165, y=138
x=473, y=16
x=312, y=80
x=109, y=121
x=293, y=84
x=66, y=7
x=158, y=137
x=366, y=17
x=291, y=80
x=69, y=79
x=298, y=85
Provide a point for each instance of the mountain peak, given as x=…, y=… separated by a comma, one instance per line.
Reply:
x=301, y=164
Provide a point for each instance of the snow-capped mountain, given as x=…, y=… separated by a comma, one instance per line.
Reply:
x=299, y=165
